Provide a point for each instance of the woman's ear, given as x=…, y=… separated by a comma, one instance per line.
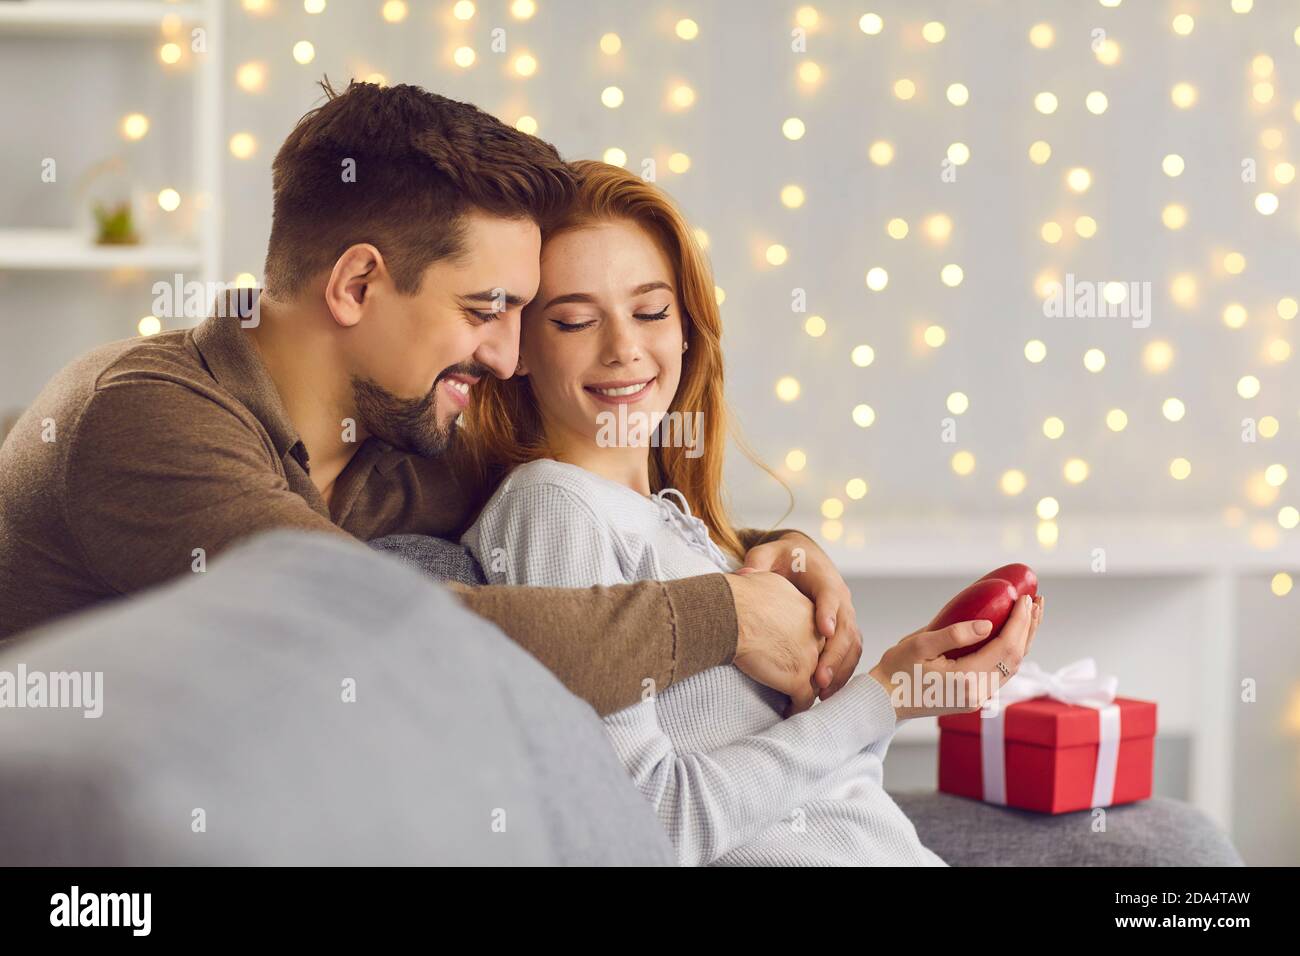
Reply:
x=352, y=282
x=521, y=368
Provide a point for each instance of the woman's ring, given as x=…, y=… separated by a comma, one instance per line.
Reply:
x=1003, y=668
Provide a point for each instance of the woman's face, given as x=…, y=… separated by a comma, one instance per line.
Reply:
x=604, y=330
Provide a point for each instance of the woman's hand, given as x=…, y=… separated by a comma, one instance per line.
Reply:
x=964, y=684
x=798, y=559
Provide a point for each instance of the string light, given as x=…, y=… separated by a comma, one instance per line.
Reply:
x=1174, y=216
x=1013, y=482
x=242, y=145
x=1183, y=95
x=862, y=355
x=870, y=24
x=304, y=52
x=938, y=227
x=135, y=126
x=1041, y=35
x=793, y=128
x=251, y=77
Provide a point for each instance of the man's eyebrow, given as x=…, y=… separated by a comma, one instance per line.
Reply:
x=492, y=296
x=588, y=297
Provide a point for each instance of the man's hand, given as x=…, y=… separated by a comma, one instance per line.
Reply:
x=798, y=559
x=776, y=643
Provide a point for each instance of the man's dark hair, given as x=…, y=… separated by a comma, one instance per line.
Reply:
x=421, y=162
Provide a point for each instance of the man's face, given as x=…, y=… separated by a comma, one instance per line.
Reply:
x=416, y=357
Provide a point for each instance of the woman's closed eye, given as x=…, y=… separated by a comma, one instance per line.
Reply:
x=570, y=326
x=652, y=317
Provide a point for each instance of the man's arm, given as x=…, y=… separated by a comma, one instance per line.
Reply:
x=602, y=642
x=158, y=471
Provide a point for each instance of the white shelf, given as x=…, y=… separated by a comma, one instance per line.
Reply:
x=1134, y=545
x=88, y=16
x=67, y=249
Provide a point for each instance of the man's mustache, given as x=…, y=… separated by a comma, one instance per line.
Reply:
x=471, y=369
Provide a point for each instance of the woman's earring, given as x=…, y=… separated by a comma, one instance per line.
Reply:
x=685, y=346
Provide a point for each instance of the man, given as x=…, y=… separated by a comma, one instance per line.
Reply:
x=404, y=245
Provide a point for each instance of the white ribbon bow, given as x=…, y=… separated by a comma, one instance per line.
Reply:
x=1077, y=683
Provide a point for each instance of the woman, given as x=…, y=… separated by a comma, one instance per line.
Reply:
x=624, y=335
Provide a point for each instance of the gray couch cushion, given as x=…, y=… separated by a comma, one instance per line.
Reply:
x=223, y=692
x=1155, y=832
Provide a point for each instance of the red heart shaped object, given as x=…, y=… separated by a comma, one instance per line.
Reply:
x=991, y=598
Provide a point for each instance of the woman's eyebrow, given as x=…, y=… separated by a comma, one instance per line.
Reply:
x=588, y=297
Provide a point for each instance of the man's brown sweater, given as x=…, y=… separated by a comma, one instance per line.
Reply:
x=144, y=459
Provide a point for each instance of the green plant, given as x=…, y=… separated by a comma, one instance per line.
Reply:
x=115, y=225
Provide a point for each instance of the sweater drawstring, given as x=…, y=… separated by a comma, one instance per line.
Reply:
x=693, y=529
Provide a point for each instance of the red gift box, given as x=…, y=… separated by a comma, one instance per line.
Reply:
x=1051, y=753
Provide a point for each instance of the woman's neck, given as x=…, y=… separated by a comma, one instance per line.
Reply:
x=625, y=466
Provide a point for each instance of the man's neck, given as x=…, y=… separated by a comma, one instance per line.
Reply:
x=296, y=343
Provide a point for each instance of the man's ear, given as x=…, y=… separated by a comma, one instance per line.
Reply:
x=357, y=275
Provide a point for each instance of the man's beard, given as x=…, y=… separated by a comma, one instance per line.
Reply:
x=408, y=424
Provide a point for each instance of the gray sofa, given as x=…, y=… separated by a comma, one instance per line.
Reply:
x=308, y=700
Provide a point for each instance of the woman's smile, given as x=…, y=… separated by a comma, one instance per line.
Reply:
x=625, y=392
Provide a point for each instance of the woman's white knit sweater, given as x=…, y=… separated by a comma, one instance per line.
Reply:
x=731, y=782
